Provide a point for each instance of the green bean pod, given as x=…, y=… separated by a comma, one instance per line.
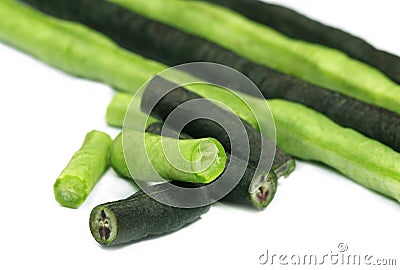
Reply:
x=72, y=47
x=366, y=161
x=115, y=117
x=84, y=170
x=201, y=160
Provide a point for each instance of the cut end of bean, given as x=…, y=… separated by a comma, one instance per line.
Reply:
x=209, y=160
x=103, y=225
x=262, y=190
x=70, y=192
x=285, y=169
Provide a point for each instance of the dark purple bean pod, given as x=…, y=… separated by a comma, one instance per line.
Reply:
x=139, y=216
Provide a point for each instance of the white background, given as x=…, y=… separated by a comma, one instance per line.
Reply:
x=45, y=115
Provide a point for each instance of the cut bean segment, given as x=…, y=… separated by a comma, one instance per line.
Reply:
x=138, y=217
x=84, y=170
x=201, y=160
x=256, y=190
